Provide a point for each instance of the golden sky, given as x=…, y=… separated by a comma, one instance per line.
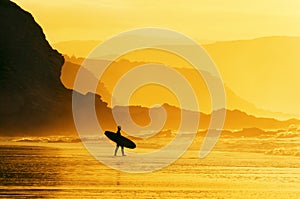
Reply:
x=203, y=20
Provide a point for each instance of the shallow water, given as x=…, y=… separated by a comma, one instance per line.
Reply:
x=67, y=170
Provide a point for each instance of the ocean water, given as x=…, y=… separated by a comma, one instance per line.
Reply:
x=236, y=168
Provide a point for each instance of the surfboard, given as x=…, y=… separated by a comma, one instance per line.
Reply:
x=121, y=140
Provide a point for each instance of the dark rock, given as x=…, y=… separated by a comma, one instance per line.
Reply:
x=33, y=99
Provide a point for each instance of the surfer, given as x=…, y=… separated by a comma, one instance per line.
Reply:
x=117, y=147
x=120, y=140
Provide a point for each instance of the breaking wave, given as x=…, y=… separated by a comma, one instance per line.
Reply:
x=288, y=134
x=54, y=139
x=290, y=151
x=60, y=139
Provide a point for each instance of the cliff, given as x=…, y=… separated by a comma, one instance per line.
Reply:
x=33, y=99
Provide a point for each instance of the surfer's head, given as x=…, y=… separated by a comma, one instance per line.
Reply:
x=119, y=127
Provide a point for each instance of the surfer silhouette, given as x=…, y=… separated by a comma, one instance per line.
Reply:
x=117, y=147
x=120, y=140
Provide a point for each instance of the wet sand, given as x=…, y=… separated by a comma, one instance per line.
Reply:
x=67, y=170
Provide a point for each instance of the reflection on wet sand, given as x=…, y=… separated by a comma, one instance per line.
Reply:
x=65, y=170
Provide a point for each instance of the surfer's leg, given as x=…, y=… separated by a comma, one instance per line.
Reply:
x=116, y=150
x=122, y=149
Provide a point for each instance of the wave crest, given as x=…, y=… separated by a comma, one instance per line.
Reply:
x=60, y=139
x=290, y=151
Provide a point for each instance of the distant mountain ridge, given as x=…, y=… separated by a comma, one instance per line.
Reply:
x=260, y=72
x=118, y=67
x=82, y=48
x=35, y=102
x=235, y=119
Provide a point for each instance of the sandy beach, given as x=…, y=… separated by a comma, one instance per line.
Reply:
x=67, y=170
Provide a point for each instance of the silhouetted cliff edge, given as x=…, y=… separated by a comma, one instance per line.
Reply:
x=33, y=99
